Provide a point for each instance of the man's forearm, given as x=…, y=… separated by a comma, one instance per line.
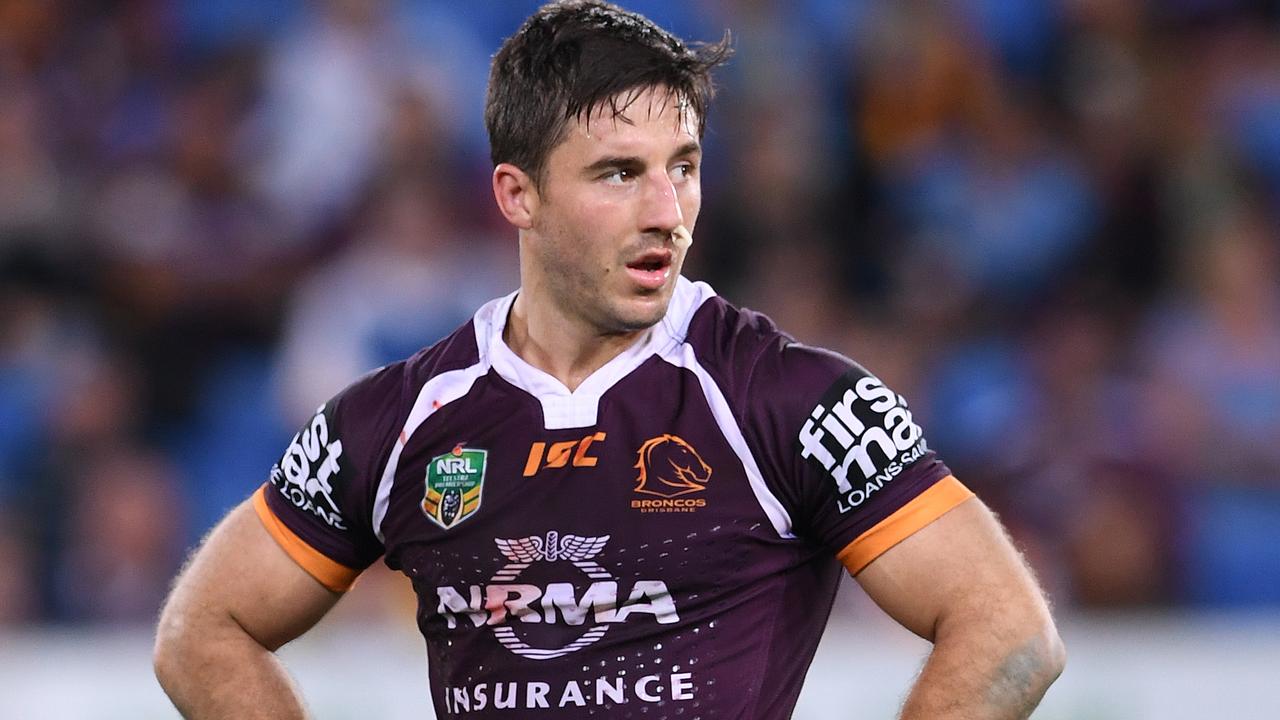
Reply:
x=225, y=674
x=970, y=676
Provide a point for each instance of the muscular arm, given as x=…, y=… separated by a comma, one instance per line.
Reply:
x=959, y=583
x=238, y=600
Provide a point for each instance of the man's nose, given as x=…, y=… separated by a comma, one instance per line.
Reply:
x=661, y=211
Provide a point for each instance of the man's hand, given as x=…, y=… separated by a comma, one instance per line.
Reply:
x=960, y=583
x=238, y=600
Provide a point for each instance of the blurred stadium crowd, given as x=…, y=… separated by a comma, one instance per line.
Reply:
x=1054, y=225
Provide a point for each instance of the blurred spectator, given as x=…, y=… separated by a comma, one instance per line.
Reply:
x=919, y=80
x=1106, y=514
x=1119, y=86
x=331, y=85
x=405, y=281
x=769, y=188
x=1006, y=207
x=1214, y=353
x=56, y=387
x=19, y=598
x=26, y=386
x=190, y=260
x=124, y=540
x=1120, y=540
x=1214, y=356
x=31, y=189
x=1021, y=33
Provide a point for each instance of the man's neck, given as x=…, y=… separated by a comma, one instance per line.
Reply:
x=559, y=346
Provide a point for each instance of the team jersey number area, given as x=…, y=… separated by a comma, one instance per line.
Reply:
x=861, y=434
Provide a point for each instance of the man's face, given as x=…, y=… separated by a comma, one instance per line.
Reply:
x=614, y=190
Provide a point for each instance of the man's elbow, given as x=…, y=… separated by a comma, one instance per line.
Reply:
x=190, y=642
x=1031, y=658
x=171, y=654
x=1040, y=660
x=1055, y=652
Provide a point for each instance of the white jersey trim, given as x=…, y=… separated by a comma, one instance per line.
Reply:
x=562, y=409
x=683, y=356
x=435, y=394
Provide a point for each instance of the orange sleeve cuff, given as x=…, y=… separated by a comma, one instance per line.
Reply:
x=922, y=510
x=335, y=576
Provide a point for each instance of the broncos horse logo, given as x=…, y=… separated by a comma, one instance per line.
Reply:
x=670, y=467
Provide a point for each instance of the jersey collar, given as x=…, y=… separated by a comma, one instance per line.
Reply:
x=562, y=409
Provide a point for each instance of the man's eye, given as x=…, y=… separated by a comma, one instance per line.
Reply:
x=619, y=176
x=685, y=170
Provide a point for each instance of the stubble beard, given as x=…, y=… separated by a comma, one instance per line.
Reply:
x=583, y=293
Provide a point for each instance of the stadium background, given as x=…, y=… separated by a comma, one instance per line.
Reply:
x=1054, y=225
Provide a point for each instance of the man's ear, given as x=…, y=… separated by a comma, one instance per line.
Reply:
x=516, y=195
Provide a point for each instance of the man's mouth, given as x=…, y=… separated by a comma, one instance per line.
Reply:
x=651, y=269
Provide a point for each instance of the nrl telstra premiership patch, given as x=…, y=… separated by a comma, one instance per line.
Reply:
x=454, y=485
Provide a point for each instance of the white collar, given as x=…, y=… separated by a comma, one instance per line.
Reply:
x=564, y=409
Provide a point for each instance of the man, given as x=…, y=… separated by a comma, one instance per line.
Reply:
x=614, y=493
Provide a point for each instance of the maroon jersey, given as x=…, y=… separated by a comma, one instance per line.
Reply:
x=664, y=541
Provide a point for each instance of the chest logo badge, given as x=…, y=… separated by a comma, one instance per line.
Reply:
x=558, y=456
x=453, y=486
x=670, y=467
x=540, y=607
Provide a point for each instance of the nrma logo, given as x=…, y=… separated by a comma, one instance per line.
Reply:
x=504, y=604
x=862, y=424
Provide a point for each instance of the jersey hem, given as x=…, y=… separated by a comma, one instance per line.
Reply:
x=926, y=507
x=333, y=575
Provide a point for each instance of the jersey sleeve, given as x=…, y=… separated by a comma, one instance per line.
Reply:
x=318, y=501
x=844, y=453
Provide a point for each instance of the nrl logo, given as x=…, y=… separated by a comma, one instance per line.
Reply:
x=454, y=483
x=670, y=467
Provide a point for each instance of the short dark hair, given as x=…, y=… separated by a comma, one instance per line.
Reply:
x=572, y=57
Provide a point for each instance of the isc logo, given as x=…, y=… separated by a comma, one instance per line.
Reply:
x=560, y=454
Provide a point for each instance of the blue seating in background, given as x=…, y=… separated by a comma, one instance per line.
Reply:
x=1233, y=547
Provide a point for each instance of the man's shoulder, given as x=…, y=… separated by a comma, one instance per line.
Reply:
x=400, y=382
x=745, y=348
x=728, y=337
x=456, y=351
x=719, y=325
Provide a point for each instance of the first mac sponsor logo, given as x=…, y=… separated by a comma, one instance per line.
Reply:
x=862, y=435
